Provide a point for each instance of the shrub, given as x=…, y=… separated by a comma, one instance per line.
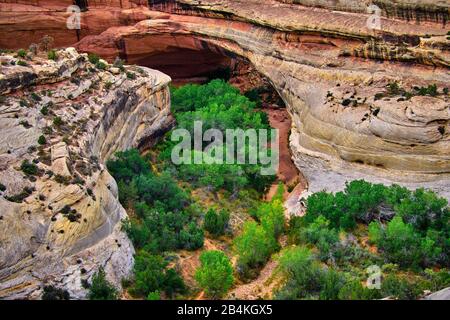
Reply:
x=53, y=293
x=36, y=97
x=393, y=88
x=52, y=55
x=402, y=245
x=101, y=289
x=22, y=53
x=151, y=276
x=29, y=168
x=431, y=90
x=108, y=85
x=353, y=290
x=18, y=198
x=25, y=124
x=303, y=275
x=155, y=295
x=44, y=110
x=57, y=121
x=42, y=140
x=216, y=222
x=22, y=63
x=62, y=179
x=131, y=75
x=127, y=164
x=100, y=65
x=118, y=63
x=254, y=246
x=93, y=58
x=215, y=274
x=400, y=288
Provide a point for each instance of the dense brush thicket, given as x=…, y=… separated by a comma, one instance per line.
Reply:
x=409, y=232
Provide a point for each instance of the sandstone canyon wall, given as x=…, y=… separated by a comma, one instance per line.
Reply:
x=60, y=222
x=331, y=70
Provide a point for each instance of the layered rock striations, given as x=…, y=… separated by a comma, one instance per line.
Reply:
x=59, y=210
x=356, y=95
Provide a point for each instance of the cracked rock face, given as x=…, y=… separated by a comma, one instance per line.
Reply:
x=60, y=214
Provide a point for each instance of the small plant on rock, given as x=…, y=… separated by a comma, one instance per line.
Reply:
x=100, y=288
x=29, y=168
x=42, y=140
x=57, y=121
x=22, y=53
x=22, y=63
x=52, y=55
x=93, y=58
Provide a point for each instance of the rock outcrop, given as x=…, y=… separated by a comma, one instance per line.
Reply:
x=358, y=97
x=59, y=210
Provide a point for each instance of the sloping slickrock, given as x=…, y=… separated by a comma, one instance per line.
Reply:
x=62, y=221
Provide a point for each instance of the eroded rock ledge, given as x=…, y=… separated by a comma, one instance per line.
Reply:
x=352, y=92
x=59, y=213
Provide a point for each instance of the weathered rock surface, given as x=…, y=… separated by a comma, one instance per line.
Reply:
x=334, y=75
x=61, y=222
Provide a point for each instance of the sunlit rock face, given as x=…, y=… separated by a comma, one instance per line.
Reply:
x=331, y=71
x=67, y=224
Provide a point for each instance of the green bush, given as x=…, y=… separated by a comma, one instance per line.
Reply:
x=57, y=121
x=44, y=110
x=52, y=55
x=401, y=244
x=271, y=216
x=216, y=222
x=162, y=223
x=215, y=274
x=218, y=106
x=155, y=295
x=303, y=275
x=22, y=53
x=400, y=288
x=29, y=168
x=42, y=140
x=22, y=63
x=127, y=164
x=93, y=58
x=253, y=246
x=53, y=293
x=101, y=289
x=100, y=65
x=151, y=276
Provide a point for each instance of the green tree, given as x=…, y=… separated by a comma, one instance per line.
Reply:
x=100, y=288
x=254, y=245
x=215, y=274
x=127, y=164
x=151, y=275
x=398, y=241
x=303, y=275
